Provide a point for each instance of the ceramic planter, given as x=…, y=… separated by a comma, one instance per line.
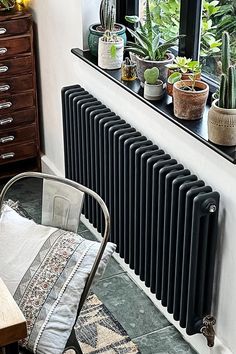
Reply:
x=222, y=125
x=107, y=59
x=169, y=87
x=96, y=32
x=143, y=64
x=153, y=92
x=189, y=105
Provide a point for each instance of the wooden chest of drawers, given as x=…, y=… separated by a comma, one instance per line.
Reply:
x=19, y=129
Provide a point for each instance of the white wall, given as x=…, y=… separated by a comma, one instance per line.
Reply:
x=59, y=30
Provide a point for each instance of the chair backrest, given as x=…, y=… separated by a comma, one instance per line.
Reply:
x=62, y=203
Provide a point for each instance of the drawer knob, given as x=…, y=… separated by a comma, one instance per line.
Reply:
x=2, y=30
x=6, y=139
x=3, y=50
x=4, y=88
x=6, y=121
x=8, y=155
x=5, y=105
x=3, y=69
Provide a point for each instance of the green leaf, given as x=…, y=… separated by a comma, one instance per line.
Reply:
x=174, y=78
x=113, y=51
x=132, y=19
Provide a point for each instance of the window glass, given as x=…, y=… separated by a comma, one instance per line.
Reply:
x=165, y=14
x=218, y=16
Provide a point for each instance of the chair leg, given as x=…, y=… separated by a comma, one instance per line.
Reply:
x=73, y=343
x=11, y=349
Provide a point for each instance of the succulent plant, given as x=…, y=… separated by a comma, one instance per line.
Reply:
x=227, y=94
x=107, y=15
x=151, y=75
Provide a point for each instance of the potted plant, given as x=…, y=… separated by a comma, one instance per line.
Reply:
x=107, y=23
x=185, y=67
x=189, y=98
x=153, y=88
x=7, y=4
x=110, y=51
x=148, y=50
x=222, y=114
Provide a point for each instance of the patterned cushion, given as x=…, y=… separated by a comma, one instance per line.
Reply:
x=49, y=291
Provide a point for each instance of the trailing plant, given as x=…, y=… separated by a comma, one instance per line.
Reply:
x=184, y=65
x=151, y=75
x=107, y=15
x=227, y=94
x=147, y=38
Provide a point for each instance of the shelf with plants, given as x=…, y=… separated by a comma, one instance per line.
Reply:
x=158, y=69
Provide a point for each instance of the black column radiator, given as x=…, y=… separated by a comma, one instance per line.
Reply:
x=164, y=219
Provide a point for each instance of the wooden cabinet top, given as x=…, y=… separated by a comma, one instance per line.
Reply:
x=13, y=15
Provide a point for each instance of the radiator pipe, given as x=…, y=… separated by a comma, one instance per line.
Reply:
x=208, y=330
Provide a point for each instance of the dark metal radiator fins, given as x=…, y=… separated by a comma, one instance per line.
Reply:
x=164, y=219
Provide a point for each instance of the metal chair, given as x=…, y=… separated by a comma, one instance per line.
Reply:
x=62, y=203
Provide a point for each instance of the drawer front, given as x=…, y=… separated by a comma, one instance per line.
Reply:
x=15, y=66
x=16, y=119
x=17, y=152
x=15, y=102
x=10, y=47
x=15, y=136
x=16, y=84
x=15, y=27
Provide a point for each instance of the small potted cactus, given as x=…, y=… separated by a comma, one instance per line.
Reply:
x=153, y=87
x=110, y=51
x=107, y=23
x=222, y=114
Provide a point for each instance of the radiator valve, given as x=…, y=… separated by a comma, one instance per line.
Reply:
x=208, y=330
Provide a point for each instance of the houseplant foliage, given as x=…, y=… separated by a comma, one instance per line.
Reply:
x=107, y=23
x=110, y=51
x=222, y=114
x=153, y=88
x=189, y=97
x=6, y=4
x=147, y=47
x=185, y=67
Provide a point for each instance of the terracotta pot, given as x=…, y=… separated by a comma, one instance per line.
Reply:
x=189, y=105
x=143, y=64
x=222, y=125
x=95, y=32
x=169, y=87
x=153, y=92
x=105, y=58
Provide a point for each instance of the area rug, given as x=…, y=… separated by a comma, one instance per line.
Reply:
x=99, y=332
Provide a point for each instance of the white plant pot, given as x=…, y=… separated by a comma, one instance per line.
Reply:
x=105, y=58
x=222, y=125
x=153, y=92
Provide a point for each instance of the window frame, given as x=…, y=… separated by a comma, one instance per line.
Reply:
x=189, y=45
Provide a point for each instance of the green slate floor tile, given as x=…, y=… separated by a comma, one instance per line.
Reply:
x=165, y=341
x=130, y=306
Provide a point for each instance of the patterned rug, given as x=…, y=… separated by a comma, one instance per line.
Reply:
x=99, y=332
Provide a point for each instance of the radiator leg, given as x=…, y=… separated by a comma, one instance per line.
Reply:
x=208, y=330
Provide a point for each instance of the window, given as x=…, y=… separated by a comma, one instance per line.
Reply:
x=203, y=23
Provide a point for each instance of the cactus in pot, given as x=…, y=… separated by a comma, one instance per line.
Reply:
x=222, y=114
x=110, y=51
x=153, y=87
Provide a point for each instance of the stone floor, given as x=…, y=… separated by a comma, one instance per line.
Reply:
x=146, y=326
